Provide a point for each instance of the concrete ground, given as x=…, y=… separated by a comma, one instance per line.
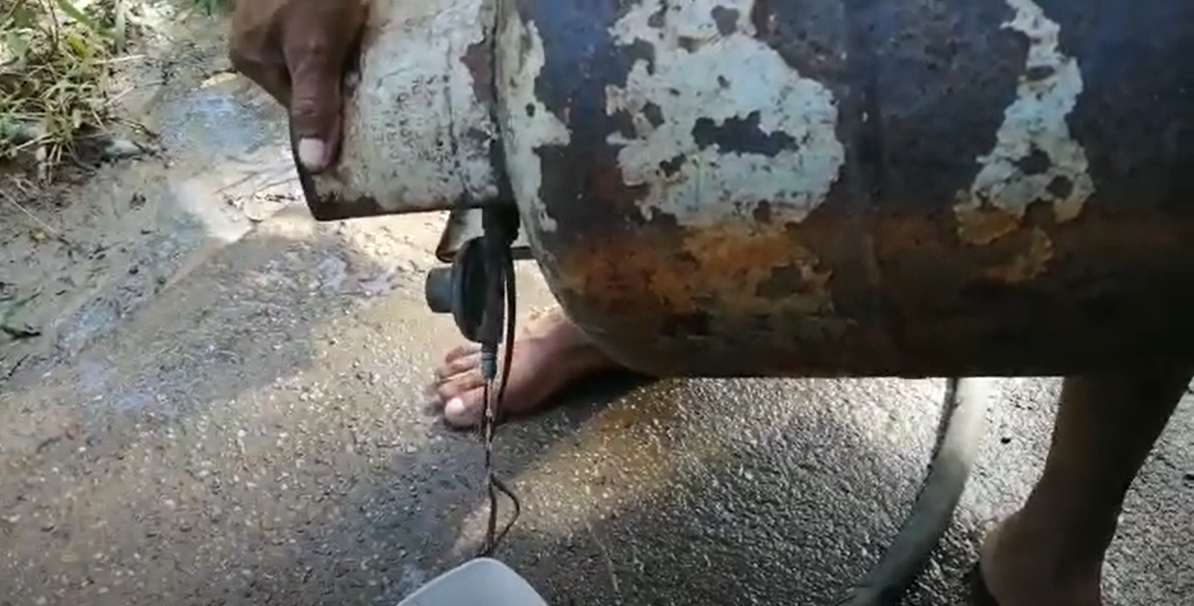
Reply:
x=254, y=431
x=257, y=435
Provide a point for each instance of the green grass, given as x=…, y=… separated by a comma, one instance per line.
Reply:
x=57, y=59
x=212, y=6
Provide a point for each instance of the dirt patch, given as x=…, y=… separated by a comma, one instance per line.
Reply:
x=78, y=255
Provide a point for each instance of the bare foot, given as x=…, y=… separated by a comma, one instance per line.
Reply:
x=1021, y=568
x=549, y=353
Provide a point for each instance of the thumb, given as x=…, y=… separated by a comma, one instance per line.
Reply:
x=315, y=104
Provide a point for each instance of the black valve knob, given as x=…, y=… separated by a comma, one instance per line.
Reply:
x=438, y=289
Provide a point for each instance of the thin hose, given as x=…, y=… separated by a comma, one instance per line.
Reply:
x=966, y=402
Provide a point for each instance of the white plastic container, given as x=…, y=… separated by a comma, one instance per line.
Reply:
x=479, y=582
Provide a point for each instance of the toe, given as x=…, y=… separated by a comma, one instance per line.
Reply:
x=462, y=351
x=464, y=411
x=459, y=385
x=458, y=364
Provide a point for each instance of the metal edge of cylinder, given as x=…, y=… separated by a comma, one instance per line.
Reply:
x=328, y=207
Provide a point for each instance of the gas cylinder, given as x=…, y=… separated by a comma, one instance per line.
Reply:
x=807, y=187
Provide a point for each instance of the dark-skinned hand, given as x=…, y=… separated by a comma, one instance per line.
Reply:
x=298, y=51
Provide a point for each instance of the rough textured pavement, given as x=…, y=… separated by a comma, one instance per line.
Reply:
x=257, y=435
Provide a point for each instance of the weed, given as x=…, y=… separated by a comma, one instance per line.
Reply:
x=212, y=7
x=57, y=63
x=55, y=73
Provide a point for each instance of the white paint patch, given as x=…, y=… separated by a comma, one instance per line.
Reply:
x=1036, y=123
x=720, y=78
x=410, y=128
x=529, y=125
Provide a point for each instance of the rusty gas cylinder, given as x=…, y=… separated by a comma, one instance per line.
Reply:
x=808, y=187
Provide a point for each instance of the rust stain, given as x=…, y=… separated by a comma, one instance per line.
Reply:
x=981, y=225
x=1028, y=264
x=741, y=261
x=1067, y=210
x=731, y=265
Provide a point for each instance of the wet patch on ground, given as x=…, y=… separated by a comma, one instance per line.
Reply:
x=78, y=256
x=258, y=435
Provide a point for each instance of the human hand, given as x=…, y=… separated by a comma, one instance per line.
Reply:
x=298, y=51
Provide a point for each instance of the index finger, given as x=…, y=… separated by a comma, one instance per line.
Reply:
x=315, y=106
x=316, y=54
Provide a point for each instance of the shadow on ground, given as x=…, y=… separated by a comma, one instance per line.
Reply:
x=258, y=435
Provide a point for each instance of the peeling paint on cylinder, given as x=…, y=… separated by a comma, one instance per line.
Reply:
x=816, y=187
x=708, y=78
x=528, y=126
x=417, y=128
x=1035, y=156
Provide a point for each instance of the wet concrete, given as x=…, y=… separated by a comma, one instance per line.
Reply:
x=81, y=254
x=257, y=435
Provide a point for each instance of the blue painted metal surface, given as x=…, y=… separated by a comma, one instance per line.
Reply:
x=868, y=187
